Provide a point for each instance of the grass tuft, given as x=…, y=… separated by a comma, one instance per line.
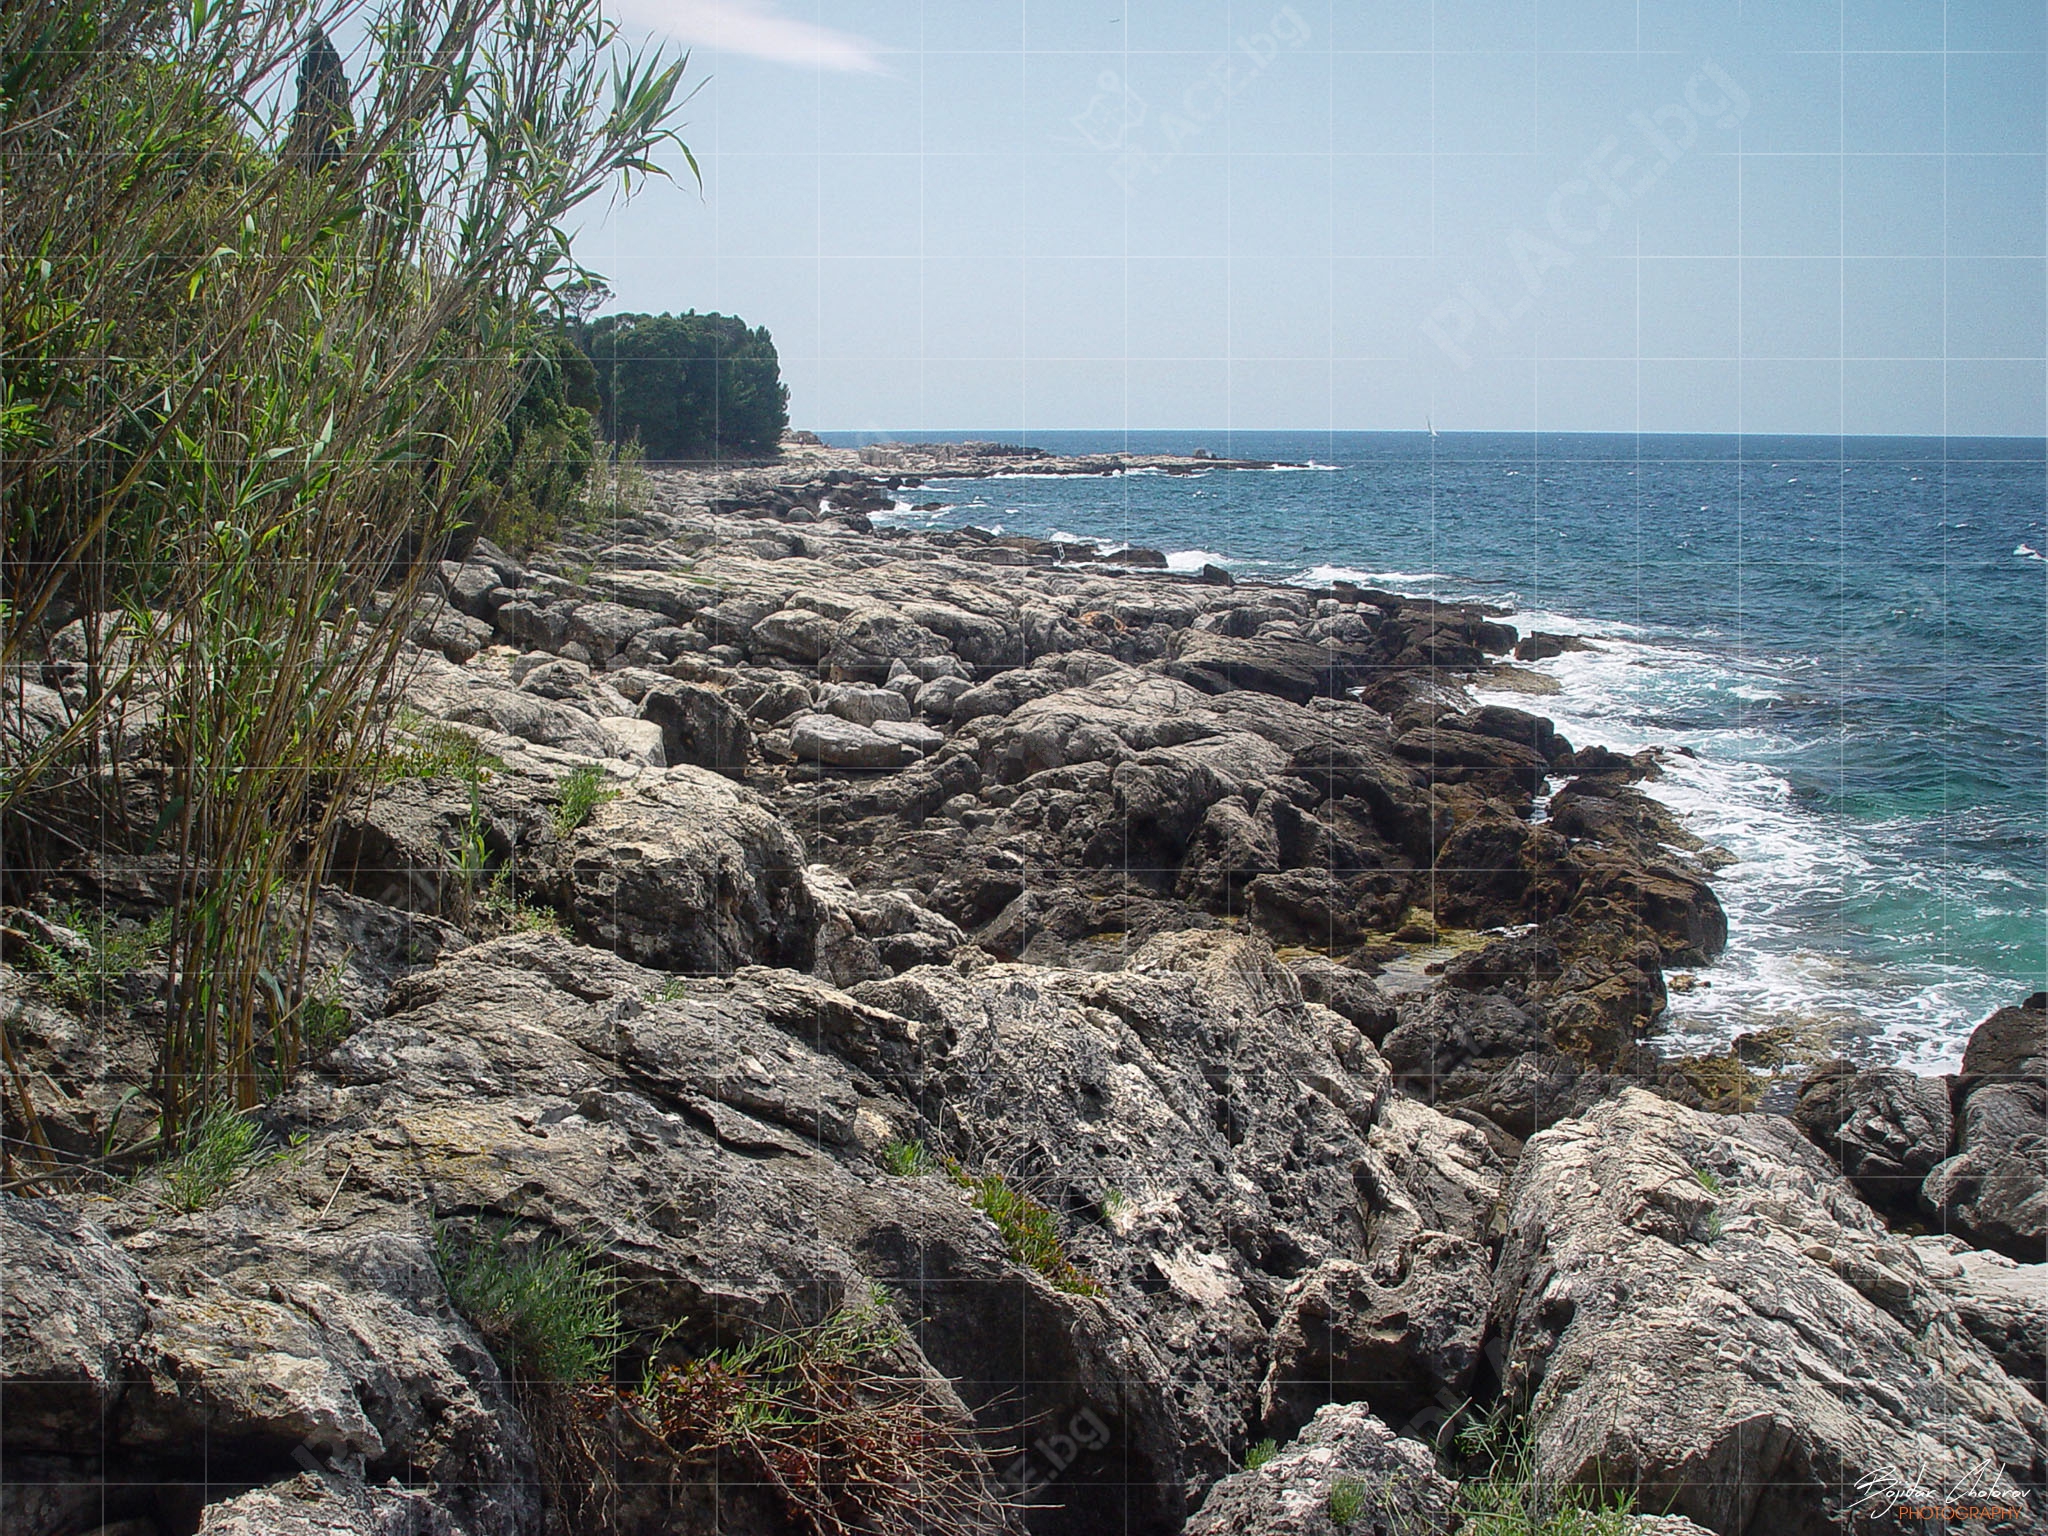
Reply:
x=324, y=1022
x=1346, y=1501
x=1259, y=1453
x=583, y=791
x=422, y=748
x=906, y=1159
x=853, y=1446
x=1509, y=1500
x=113, y=951
x=548, y=1310
x=218, y=1146
x=1029, y=1229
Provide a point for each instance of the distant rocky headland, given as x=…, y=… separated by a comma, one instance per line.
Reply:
x=1157, y=1035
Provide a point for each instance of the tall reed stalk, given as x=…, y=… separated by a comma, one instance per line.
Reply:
x=253, y=341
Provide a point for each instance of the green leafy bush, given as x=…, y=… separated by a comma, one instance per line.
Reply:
x=688, y=386
x=547, y=1309
x=537, y=468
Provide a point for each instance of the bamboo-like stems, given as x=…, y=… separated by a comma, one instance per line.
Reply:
x=242, y=405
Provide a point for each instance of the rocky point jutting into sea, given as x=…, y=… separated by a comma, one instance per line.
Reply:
x=1156, y=997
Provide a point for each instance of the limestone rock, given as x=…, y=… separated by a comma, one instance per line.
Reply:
x=1698, y=1307
x=1994, y=1191
x=71, y=1314
x=700, y=727
x=1401, y=1340
x=2003, y=1304
x=837, y=743
x=1394, y=1482
x=862, y=703
x=1885, y=1128
x=689, y=872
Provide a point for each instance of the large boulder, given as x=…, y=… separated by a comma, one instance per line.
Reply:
x=233, y=1348
x=1345, y=1463
x=1402, y=1338
x=867, y=642
x=1699, y=1308
x=310, y=1505
x=71, y=1314
x=2003, y=1304
x=794, y=634
x=863, y=703
x=1885, y=1128
x=2012, y=1043
x=689, y=872
x=1994, y=1191
x=835, y=743
x=700, y=727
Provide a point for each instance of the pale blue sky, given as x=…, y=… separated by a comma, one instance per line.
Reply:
x=1797, y=217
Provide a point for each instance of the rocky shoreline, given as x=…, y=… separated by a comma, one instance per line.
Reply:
x=1304, y=1006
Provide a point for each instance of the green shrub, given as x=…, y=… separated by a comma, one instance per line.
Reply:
x=217, y=1147
x=688, y=386
x=548, y=1310
x=257, y=357
x=1259, y=1453
x=538, y=465
x=582, y=792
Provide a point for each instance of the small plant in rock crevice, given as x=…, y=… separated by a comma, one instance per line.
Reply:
x=1509, y=1499
x=906, y=1159
x=582, y=792
x=1259, y=1453
x=547, y=1309
x=1346, y=1501
x=853, y=1445
x=113, y=950
x=1030, y=1231
x=218, y=1146
x=423, y=748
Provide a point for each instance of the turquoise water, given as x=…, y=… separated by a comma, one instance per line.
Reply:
x=1849, y=634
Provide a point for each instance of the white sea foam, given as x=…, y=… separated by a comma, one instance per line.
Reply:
x=1794, y=955
x=902, y=514
x=1193, y=559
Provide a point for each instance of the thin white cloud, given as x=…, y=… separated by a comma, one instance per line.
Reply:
x=753, y=28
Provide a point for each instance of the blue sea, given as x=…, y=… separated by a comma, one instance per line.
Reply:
x=1848, y=633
